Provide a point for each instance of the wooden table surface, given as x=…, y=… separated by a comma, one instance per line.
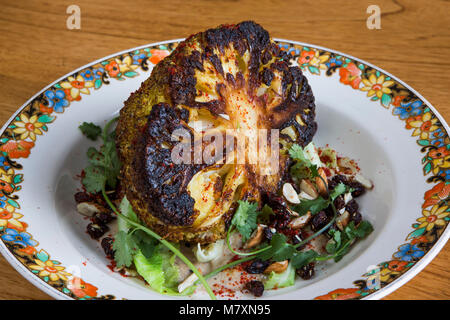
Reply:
x=413, y=44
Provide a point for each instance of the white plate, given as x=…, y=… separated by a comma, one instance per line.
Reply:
x=406, y=155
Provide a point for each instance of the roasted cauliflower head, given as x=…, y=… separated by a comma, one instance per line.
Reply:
x=233, y=78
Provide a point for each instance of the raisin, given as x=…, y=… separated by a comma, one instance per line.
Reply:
x=82, y=197
x=96, y=230
x=352, y=206
x=255, y=287
x=297, y=239
x=359, y=189
x=268, y=233
x=107, y=245
x=257, y=266
x=306, y=272
x=339, y=202
x=103, y=217
x=356, y=218
x=319, y=220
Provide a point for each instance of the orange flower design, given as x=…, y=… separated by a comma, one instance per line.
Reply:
x=397, y=266
x=82, y=289
x=306, y=57
x=44, y=109
x=421, y=239
x=112, y=68
x=17, y=149
x=350, y=75
x=158, y=55
x=340, y=294
x=439, y=192
x=397, y=100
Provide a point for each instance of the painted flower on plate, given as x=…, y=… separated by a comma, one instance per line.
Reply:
x=56, y=100
x=408, y=109
x=340, y=294
x=49, y=268
x=17, y=149
x=77, y=85
x=10, y=219
x=433, y=217
x=350, y=75
x=138, y=58
x=314, y=59
x=28, y=127
x=23, y=238
x=87, y=74
x=113, y=69
x=98, y=72
x=377, y=86
x=440, y=158
x=423, y=125
x=157, y=55
x=408, y=252
x=82, y=289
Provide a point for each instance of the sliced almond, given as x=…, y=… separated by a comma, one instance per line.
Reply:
x=347, y=197
x=322, y=183
x=300, y=222
x=290, y=194
x=304, y=196
x=277, y=267
x=89, y=209
x=256, y=237
x=308, y=187
x=364, y=181
x=189, y=281
x=343, y=220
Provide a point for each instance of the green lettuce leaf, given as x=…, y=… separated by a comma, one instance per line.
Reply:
x=280, y=280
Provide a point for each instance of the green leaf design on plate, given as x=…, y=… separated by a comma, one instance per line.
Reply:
x=314, y=70
x=423, y=142
x=18, y=178
x=386, y=99
x=13, y=203
x=130, y=74
x=416, y=233
x=98, y=83
x=45, y=118
x=427, y=168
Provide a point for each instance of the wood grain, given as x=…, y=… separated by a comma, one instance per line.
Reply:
x=37, y=48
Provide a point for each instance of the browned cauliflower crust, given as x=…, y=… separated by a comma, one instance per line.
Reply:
x=230, y=77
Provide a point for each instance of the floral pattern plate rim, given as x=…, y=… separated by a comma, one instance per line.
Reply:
x=36, y=117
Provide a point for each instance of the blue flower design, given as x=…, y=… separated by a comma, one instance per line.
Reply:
x=437, y=137
x=87, y=74
x=22, y=238
x=408, y=252
x=333, y=62
x=138, y=58
x=4, y=163
x=408, y=109
x=98, y=72
x=56, y=100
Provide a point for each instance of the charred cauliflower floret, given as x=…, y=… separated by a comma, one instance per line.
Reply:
x=231, y=77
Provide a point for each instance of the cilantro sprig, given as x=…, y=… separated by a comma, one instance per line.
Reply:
x=90, y=130
x=104, y=164
x=102, y=171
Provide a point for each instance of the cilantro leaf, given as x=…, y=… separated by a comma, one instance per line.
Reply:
x=338, y=190
x=279, y=250
x=314, y=206
x=145, y=243
x=124, y=249
x=90, y=130
x=264, y=215
x=245, y=219
x=303, y=258
x=296, y=152
x=94, y=179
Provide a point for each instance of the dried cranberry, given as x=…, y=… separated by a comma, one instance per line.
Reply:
x=333, y=182
x=319, y=220
x=356, y=218
x=96, y=230
x=82, y=197
x=103, y=217
x=107, y=245
x=257, y=266
x=306, y=272
x=359, y=189
x=352, y=206
x=339, y=202
x=297, y=239
x=255, y=287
